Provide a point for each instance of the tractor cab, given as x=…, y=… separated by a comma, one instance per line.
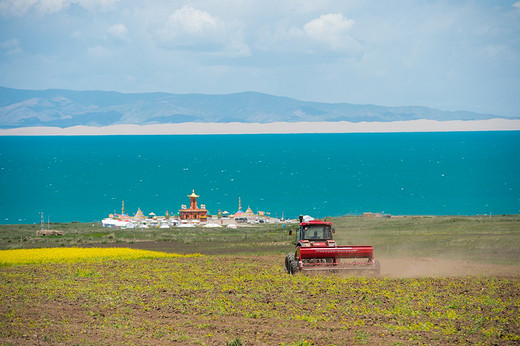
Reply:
x=315, y=233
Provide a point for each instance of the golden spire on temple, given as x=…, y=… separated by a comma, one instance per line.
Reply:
x=193, y=194
x=193, y=200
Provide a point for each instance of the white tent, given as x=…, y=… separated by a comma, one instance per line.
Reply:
x=307, y=218
x=212, y=225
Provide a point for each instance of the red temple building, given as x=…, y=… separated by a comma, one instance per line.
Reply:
x=193, y=212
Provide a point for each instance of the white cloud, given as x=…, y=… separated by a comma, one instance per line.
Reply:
x=21, y=7
x=118, y=31
x=331, y=29
x=327, y=35
x=96, y=4
x=199, y=30
x=97, y=51
x=517, y=4
x=11, y=47
x=189, y=20
x=15, y=7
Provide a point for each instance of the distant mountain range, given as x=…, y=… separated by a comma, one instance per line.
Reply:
x=66, y=108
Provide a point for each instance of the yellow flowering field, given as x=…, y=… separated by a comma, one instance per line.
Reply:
x=55, y=255
x=215, y=300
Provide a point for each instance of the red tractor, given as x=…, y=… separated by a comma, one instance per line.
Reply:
x=317, y=251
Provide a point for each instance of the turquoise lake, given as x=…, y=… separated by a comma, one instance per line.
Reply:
x=85, y=178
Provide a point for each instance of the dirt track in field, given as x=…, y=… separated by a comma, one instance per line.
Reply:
x=430, y=267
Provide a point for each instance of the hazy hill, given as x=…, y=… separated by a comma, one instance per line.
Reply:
x=65, y=108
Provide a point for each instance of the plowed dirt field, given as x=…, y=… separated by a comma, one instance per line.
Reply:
x=217, y=299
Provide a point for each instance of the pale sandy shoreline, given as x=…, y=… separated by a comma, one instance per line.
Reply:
x=498, y=124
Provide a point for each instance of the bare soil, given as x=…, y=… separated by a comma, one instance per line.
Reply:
x=432, y=267
x=65, y=320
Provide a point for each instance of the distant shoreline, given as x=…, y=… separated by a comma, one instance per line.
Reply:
x=498, y=124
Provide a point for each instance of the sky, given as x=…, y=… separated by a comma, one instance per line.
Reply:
x=450, y=55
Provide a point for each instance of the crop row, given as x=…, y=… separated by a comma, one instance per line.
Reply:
x=57, y=255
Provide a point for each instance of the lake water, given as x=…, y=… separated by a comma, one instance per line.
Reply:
x=87, y=177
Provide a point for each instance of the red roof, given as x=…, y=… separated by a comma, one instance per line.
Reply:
x=316, y=222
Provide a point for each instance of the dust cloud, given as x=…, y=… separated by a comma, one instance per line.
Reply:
x=410, y=267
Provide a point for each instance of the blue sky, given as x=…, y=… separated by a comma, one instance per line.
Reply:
x=451, y=55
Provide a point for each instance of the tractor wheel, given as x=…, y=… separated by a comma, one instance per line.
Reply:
x=287, y=265
x=291, y=266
